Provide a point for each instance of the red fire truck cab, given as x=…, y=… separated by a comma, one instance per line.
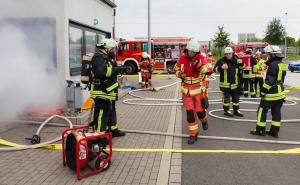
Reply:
x=165, y=52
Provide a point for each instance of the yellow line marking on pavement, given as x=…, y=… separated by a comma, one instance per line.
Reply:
x=59, y=147
x=295, y=87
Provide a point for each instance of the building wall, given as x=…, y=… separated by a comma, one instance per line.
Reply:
x=85, y=12
x=62, y=11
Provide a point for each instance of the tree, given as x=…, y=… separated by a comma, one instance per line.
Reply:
x=291, y=41
x=275, y=32
x=298, y=42
x=221, y=38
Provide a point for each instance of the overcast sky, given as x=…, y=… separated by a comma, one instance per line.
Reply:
x=200, y=18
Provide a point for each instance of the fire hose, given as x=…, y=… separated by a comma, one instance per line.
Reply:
x=36, y=136
x=174, y=102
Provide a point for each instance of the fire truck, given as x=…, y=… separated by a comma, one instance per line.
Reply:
x=242, y=47
x=165, y=52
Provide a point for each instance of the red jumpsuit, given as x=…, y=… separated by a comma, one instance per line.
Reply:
x=192, y=88
x=146, y=69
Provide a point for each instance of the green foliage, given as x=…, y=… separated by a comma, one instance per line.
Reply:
x=292, y=57
x=291, y=41
x=221, y=38
x=275, y=32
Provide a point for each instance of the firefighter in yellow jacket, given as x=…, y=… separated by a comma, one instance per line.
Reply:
x=259, y=71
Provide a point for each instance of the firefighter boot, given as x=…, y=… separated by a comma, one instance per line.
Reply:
x=228, y=113
x=205, y=125
x=117, y=133
x=259, y=131
x=273, y=131
x=238, y=113
x=192, y=139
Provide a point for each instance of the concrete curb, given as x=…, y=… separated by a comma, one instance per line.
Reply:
x=165, y=164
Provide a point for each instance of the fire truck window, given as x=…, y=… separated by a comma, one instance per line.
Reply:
x=90, y=40
x=144, y=46
x=125, y=47
x=76, y=43
x=135, y=47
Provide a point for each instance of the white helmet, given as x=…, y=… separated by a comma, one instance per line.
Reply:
x=107, y=43
x=258, y=53
x=228, y=50
x=145, y=55
x=193, y=46
x=273, y=49
x=209, y=54
x=276, y=49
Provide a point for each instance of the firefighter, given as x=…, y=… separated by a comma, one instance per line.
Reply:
x=259, y=71
x=229, y=67
x=248, y=76
x=272, y=93
x=151, y=69
x=191, y=67
x=146, y=69
x=210, y=58
x=104, y=88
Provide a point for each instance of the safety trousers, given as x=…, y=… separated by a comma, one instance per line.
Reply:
x=194, y=109
x=228, y=95
x=105, y=116
x=248, y=82
x=260, y=82
x=263, y=109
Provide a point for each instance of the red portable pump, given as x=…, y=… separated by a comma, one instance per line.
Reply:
x=82, y=148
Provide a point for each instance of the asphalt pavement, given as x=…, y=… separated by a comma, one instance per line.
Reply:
x=243, y=169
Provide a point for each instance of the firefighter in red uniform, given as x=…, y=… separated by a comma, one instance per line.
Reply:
x=248, y=75
x=146, y=69
x=192, y=68
x=210, y=58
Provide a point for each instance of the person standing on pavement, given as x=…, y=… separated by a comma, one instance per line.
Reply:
x=272, y=93
x=229, y=67
x=104, y=88
x=259, y=71
x=146, y=70
x=192, y=67
x=210, y=58
x=248, y=76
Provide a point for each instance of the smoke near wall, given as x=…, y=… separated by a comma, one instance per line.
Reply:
x=28, y=75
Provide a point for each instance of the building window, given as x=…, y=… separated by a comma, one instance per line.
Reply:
x=76, y=43
x=91, y=41
x=82, y=40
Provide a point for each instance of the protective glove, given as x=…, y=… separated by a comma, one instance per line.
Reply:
x=121, y=69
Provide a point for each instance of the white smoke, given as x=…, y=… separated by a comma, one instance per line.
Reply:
x=26, y=78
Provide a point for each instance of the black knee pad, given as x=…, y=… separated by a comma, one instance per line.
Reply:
x=190, y=116
x=201, y=115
